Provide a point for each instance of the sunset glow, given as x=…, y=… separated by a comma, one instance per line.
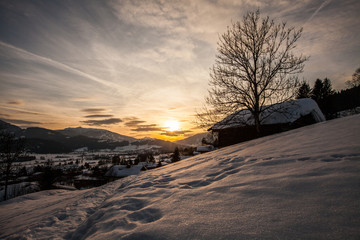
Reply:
x=140, y=68
x=172, y=126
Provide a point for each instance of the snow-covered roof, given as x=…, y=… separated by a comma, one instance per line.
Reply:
x=286, y=112
x=205, y=148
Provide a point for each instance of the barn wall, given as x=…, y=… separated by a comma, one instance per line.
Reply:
x=231, y=136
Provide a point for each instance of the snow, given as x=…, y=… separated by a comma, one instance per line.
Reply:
x=136, y=148
x=123, y=171
x=83, y=149
x=300, y=184
x=18, y=189
x=286, y=112
x=205, y=148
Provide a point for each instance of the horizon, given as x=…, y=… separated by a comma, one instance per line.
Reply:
x=98, y=128
x=141, y=68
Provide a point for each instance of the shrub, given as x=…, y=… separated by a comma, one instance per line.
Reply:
x=176, y=155
x=49, y=177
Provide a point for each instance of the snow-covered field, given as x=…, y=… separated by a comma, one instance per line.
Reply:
x=301, y=184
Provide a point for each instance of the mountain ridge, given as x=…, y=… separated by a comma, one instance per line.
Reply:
x=97, y=133
x=194, y=140
x=42, y=140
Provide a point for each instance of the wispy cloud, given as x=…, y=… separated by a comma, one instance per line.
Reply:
x=54, y=63
x=20, y=111
x=108, y=121
x=20, y=122
x=133, y=123
x=175, y=133
x=93, y=110
x=99, y=116
x=3, y=115
x=324, y=4
x=15, y=102
x=147, y=128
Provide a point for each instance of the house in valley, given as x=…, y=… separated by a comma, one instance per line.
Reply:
x=240, y=126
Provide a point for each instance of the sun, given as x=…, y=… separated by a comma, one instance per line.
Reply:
x=172, y=126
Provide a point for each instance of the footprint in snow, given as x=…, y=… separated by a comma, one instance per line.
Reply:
x=145, y=215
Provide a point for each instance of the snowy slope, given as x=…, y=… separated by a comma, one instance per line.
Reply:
x=300, y=184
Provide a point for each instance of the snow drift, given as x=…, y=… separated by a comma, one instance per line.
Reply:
x=301, y=184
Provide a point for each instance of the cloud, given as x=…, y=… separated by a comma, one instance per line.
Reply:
x=93, y=110
x=102, y=122
x=318, y=9
x=133, y=123
x=139, y=126
x=4, y=115
x=82, y=99
x=21, y=122
x=129, y=56
x=15, y=102
x=18, y=111
x=175, y=133
x=44, y=60
x=147, y=128
x=99, y=116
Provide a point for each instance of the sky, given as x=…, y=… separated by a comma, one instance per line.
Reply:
x=141, y=68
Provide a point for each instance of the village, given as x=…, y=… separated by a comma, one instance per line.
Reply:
x=80, y=170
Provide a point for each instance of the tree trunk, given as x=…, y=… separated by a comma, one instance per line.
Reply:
x=257, y=110
x=257, y=124
x=6, y=186
x=7, y=175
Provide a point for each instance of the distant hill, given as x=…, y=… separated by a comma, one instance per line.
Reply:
x=10, y=128
x=42, y=140
x=166, y=146
x=194, y=140
x=95, y=133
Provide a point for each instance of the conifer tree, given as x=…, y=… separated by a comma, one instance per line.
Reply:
x=176, y=155
x=304, y=91
x=316, y=92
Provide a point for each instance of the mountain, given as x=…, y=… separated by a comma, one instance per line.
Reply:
x=10, y=128
x=195, y=140
x=43, y=133
x=166, y=146
x=300, y=184
x=42, y=140
x=95, y=133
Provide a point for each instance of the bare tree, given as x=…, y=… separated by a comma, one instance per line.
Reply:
x=11, y=148
x=255, y=67
x=355, y=82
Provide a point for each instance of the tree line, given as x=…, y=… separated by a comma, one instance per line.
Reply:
x=330, y=101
